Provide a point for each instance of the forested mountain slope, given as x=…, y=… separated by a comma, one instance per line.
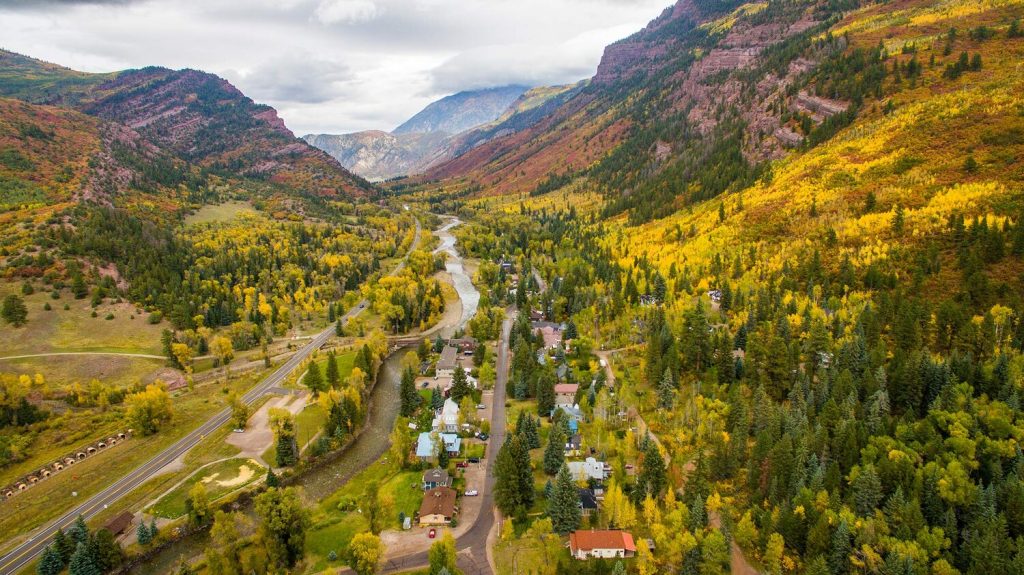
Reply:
x=99, y=172
x=812, y=261
x=200, y=118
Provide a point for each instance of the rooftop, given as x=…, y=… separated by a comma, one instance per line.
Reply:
x=448, y=356
x=438, y=501
x=601, y=539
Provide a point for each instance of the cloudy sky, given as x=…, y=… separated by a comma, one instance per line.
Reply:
x=333, y=65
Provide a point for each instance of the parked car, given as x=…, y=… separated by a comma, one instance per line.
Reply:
x=474, y=460
x=426, y=383
x=432, y=533
x=471, y=493
x=462, y=465
x=481, y=406
x=483, y=436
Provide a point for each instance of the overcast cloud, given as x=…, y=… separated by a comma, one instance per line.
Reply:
x=333, y=65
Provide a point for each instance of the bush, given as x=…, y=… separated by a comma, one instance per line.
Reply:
x=108, y=317
x=55, y=294
x=46, y=306
x=332, y=556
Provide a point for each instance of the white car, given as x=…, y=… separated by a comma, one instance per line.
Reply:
x=471, y=493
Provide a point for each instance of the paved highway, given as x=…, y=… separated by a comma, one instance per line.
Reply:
x=25, y=553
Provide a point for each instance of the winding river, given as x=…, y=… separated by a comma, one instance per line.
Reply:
x=369, y=445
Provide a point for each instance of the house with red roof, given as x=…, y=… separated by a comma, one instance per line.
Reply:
x=601, y=544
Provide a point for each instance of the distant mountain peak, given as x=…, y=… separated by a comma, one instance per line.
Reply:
x=462, y=111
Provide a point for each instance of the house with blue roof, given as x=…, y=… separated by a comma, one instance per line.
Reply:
x=426, y=446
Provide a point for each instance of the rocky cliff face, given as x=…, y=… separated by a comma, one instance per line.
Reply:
x=706, y=80
x=442, y=131
x=377, y=155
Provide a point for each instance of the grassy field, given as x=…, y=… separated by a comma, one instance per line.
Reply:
x=219, y=478
x=219, y=213
x=49, y=498
x=333, y=527
x=74, y=329
x=117, y=371
x=308, y=423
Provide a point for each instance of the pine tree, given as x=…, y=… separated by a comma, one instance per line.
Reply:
x=839, y=556
x=313, y=380
x=867, y=491
x=14, y=311
x=410, y=398
x=79, y=532
x=272, y=480
x=333, y=376
x=287, y=447
x=51, y=563
x=107, y=551
x=339, y=328
x=564, y=503
x=460, y=384
x=63, y=545
x=436, y=399
x=653, y=475
x=142, y=534
x=666, y=390
x=153, y=532
x=554, y=453
x=82, y=562
x=545, y=393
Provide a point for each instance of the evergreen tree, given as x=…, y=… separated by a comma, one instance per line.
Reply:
x=153, y=531
x=564, y=503
x=287, y=447
x=82, y=562
x=107, y=551
x=436, y=399
x=460, y=385
x=142, y=534
x=51, y=562
x=79, y=532
x=839, y=557
x=272, y=480
x=339, y=328
x=653, y=476
x=545, y=393
x=313, y=379
x=333, y=376
x=867, y=491
x=513, y=489
x=442, y=454
x=14, y=311
x=410, y=398
x=666, y=390
x=63, y=545
x=554, y=453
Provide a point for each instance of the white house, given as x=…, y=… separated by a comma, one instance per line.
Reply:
x=602, y=544
x=589, y=469
x=448, y=419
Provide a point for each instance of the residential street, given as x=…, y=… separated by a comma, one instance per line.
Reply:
x=472, y=545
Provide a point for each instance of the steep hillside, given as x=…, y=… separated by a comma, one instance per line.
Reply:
x=706, y=87
x=200, y=118
x=822, y=321
x=462, y=111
